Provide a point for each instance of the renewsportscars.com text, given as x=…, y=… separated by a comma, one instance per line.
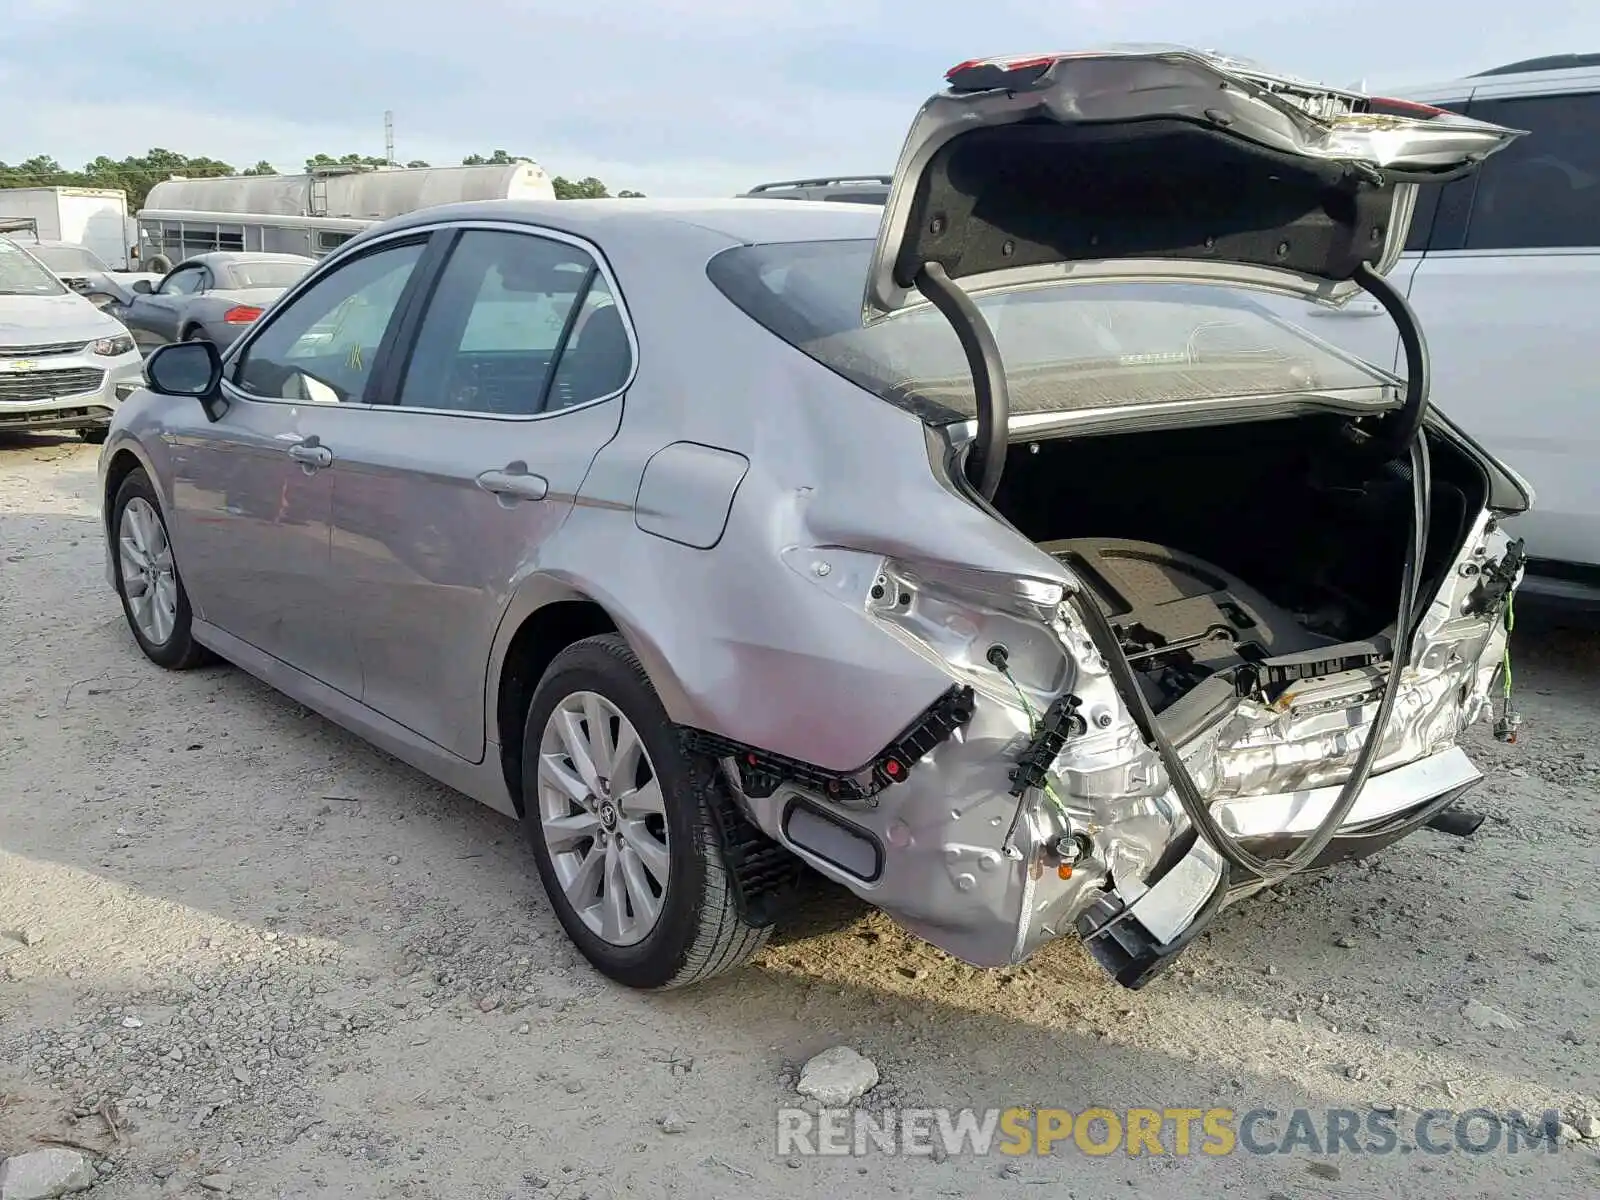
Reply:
x=1150, y=1132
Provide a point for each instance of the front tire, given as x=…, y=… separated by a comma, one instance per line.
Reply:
x=617, y=813
x=152, y=593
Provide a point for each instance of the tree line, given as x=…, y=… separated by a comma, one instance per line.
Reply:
x=136, y=175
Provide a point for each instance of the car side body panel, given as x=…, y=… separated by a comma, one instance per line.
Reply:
x=723, y=660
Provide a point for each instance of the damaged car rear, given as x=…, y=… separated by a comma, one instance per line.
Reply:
x=1265, y=587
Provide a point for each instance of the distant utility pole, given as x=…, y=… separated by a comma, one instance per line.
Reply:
x=388, y=137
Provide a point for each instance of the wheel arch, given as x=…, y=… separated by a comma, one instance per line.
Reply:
x=120, y=456
x=124, y=461
x=544, y=620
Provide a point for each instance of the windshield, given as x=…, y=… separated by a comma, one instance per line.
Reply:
x=68, y=259
x=1065, y=346
x=21, y=276
x=266, y=274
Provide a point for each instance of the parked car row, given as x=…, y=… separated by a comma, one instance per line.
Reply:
x=995, y=553
x=73, y=334
x=210, y=296
x=83, y=272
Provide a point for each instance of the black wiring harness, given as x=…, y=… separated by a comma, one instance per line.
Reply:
x=1403, y=431
x=1395, y=434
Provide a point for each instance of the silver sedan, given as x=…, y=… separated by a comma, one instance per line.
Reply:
x=994, y=555
x=212, y=297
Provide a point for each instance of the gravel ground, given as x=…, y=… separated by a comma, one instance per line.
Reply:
x=242, y=953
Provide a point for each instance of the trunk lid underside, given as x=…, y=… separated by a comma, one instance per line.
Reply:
x=1158, y=163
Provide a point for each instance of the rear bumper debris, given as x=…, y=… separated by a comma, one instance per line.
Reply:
x=1101, y=846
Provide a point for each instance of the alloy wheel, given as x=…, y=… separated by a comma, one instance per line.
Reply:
x=149, y=579
x=603, y=818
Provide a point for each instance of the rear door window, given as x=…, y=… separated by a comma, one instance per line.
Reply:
x=518, y=324
x=1543, y=190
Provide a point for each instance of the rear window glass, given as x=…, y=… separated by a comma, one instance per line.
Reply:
x=267, y=274
x=22, y=276
x=1065, y=346
x=68, y=258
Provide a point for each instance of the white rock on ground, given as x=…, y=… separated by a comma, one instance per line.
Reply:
x=42, y=1174
x=1484, y=1017
x=837, y=1077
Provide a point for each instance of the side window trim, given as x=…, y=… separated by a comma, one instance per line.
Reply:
x=400, y=337
x=1445, y=211
x=240, y=350
x=1423, y=215
x=395, y=368
x=579, y=299
x=1452, y=214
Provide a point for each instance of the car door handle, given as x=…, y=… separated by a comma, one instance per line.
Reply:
x=311, y=454
x=513, y=482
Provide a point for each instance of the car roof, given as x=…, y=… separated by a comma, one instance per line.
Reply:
x=228, y=258
x=1538, y=75
x=749, y=221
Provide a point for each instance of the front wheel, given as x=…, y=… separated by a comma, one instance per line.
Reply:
x=152, y=593
x=618, y=815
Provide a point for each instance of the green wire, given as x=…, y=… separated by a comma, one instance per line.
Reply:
x=1033, y=731
x=1505, y=661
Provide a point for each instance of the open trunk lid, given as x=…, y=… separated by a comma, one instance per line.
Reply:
x=1158, y=163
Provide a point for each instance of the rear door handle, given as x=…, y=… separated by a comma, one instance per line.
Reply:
x=513, y=482
x=311, y=453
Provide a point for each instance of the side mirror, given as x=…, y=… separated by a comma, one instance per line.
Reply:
x=192, y=369
x=143, y=286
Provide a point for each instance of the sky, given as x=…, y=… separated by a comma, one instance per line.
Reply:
x=668, y=97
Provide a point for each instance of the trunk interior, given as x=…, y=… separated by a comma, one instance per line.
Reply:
x=1231, y=558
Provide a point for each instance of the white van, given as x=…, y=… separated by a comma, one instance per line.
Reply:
x=1503, y=269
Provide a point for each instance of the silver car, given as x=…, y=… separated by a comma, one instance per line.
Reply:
x=83, y=271
x=993, y=555
x=212, y=297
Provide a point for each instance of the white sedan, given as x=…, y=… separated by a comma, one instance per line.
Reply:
x=63, y=362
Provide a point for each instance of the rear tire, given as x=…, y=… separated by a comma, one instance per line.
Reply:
x=194, y=334
x=153, y=597
x=630, y=859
